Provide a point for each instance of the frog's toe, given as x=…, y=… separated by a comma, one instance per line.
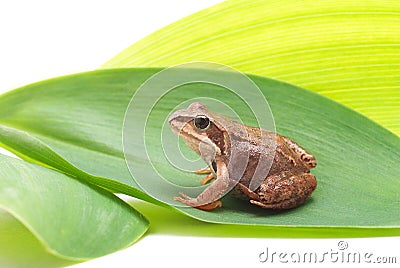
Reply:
x=260, y=204
x=187, y=200
x=183, y=198
x=207, y=179
x=194, y=202
x=285, y=204
x=210, y=206
x=203, y=171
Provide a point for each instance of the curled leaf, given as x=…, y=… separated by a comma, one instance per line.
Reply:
x=72, y=219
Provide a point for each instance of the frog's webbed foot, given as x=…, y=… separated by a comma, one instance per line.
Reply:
x=281, y=192
x=209, y=198
x=190, y=201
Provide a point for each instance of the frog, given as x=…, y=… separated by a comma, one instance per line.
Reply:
x=233, y=153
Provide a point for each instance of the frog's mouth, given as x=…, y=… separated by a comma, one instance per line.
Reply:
x=193, y=141
x=202, y=145
x=183, y=129
x=177, y=123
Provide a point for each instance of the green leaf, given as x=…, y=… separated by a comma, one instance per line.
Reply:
x=346, y=50
x=72, y=219
x=20, y=248
x=79, y=119
x=18, y=141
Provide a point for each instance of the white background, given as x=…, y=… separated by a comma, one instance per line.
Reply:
x=43, y=39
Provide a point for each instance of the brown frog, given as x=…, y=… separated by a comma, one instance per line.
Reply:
x=234, y=152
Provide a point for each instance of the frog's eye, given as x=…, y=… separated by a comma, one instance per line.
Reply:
x=202, y=122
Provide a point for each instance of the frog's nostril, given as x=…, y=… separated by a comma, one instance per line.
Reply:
x=173, y=116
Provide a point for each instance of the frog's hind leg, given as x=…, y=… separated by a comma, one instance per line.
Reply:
x=301, y=152
x=243, y=192
x=280, y=192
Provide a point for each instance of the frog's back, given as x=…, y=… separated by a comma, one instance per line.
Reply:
x=275, y=154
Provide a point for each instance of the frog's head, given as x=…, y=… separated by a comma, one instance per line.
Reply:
x=200, y=129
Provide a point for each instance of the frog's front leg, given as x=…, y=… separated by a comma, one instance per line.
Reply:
x=209, y=198
x=284, y=191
